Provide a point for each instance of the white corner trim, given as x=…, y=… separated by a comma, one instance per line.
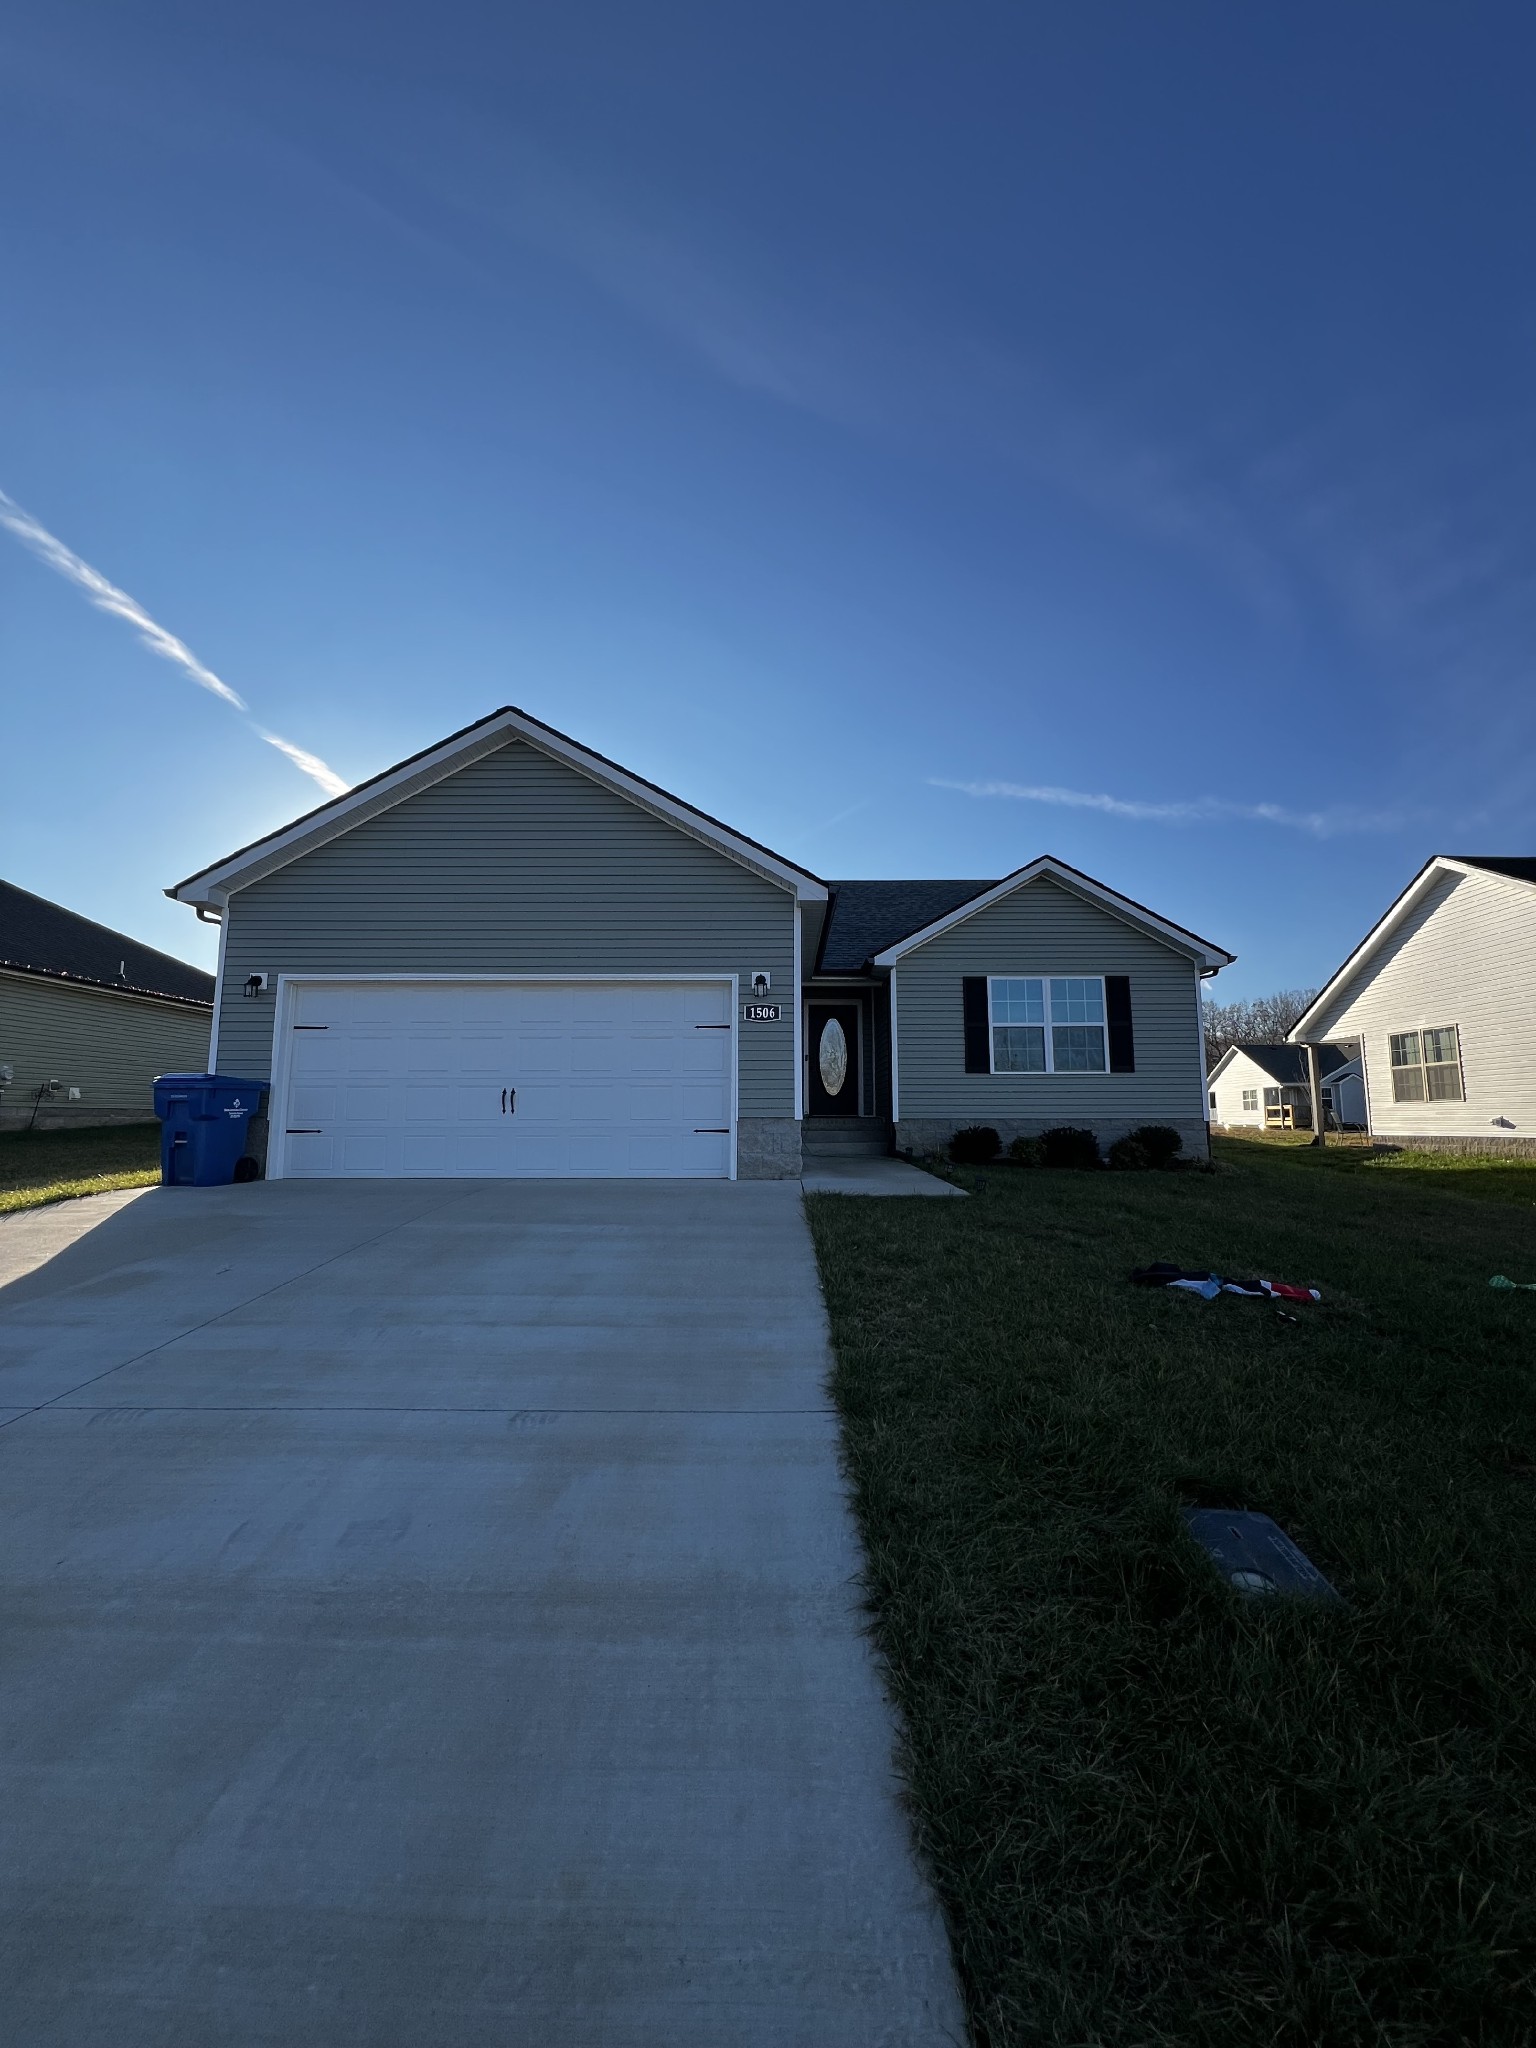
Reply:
x=798, y=994
x=895, y=1056
x=1205, y=1078
x=410, y=777
x=218, y=995
x=1213, y=958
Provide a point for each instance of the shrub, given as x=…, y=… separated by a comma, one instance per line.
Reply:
x=975, y=1145
x=1027, y=1152
x=1068, y=1146
x=1129, y=1155
x=1161, y=1143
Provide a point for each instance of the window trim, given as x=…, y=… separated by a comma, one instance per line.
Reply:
x=1050, y=1069
x=1250, y=1108
x=1423, y=1067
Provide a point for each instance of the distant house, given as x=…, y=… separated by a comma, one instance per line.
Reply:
x=1255, y=1087
x=88, y=1017
x=1440, y=995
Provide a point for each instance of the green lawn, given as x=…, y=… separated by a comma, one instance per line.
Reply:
x=37, y=1167
x=1489, y=1178
x=1157, y=1815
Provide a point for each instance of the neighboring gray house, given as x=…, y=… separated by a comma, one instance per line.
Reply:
x=1252, y=1086
x=1440, y=995
x=509, y=955
x=88, y=1017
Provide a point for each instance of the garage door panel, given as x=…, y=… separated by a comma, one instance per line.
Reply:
x=363, y=1152
x=425, y=1152
x=432, y=1102
x=704, y=1003
x=542, y=1053
x=482, y=1053
x=608, y=1079
x=314, y=1102
x=606, y=1052
x=704, y=1055
x=432, y=1053
x=370, y=1104
x=311, y=1154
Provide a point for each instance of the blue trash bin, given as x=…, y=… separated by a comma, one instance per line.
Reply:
x=203, y=1123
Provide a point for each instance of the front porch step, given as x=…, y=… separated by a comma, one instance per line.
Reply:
x=845, y=1137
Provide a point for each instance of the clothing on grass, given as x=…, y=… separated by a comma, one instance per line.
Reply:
x=1209, y=1285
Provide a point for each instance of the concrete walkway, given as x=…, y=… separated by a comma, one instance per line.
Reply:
x=855, y=1176
x=430, y=1622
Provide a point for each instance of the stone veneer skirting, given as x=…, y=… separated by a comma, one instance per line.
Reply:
x=1471, y=1148
x=924, y=1135
x=767, y=1148
x=68, y=1116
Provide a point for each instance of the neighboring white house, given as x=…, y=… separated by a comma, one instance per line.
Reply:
x=1252, y=1086
x=1441, y=995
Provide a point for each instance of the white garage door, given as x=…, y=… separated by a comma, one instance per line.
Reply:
x=446, y=1079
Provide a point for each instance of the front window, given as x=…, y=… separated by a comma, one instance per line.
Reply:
x=1426, y=1065
x=1048, y=1024
x=1018, y=1027
x=1250, y=1098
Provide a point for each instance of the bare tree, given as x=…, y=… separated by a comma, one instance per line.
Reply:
x=1261, y=1020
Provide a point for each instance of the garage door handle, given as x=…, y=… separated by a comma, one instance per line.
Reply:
x=509, y=1102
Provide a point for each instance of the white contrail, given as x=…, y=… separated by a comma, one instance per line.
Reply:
x=311, y=764
x=106, y=597
x=1184, y=811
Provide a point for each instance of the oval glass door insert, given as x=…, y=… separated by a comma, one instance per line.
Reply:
x=832, y=1056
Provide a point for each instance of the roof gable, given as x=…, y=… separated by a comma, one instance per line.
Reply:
x=1286, y=1064
x=865, y=917
x=1209, y=958
x=39, y=937
x=212, y=886
x=1516, y=869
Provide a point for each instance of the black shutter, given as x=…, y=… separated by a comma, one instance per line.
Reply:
x=978, y=1049
x=1117, y=1014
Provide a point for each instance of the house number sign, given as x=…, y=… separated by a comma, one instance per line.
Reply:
x=761, y=1013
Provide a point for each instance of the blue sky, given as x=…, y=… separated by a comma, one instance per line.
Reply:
x=923, y=436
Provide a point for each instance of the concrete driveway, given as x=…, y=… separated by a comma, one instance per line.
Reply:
x=429, y=1619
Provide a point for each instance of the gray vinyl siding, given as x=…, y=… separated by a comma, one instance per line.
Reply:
x=1043, y=928
x=516, y=864
x=107, y=1045
x=1466, y=955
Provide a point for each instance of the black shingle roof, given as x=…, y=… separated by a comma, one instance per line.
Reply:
x=1288, y=1063
x=866, y=917
x=39, y=937
x=1519, y=867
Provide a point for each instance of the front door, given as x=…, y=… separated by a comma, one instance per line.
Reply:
x=834, y=1046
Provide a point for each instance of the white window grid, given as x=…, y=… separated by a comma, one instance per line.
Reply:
x=1426, y=1064
x=1062, y=1017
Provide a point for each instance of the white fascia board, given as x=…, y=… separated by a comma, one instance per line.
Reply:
x=1304, y=1031
x=211, y=886
x=1211, y=958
